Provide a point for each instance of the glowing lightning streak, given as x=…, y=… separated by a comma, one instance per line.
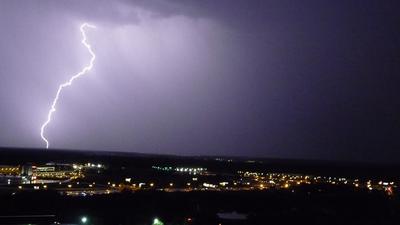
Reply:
x=69, y=82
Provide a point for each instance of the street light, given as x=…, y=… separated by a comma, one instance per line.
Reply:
x=156, y=221
x=84, y=219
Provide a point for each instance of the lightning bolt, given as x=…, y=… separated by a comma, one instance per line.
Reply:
x=69, y=82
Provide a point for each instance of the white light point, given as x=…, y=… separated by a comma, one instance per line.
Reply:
x=69, y=82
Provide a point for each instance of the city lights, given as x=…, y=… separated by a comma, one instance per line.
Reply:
x=71, y=180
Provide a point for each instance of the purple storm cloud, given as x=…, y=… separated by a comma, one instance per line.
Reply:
x=261, y=78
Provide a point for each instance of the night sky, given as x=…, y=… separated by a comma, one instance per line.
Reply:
x=288, y=79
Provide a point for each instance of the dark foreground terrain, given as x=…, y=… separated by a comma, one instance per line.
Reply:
x=304, y=206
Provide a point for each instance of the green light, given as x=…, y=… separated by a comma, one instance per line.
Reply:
x=84, y=219
x=156, y=221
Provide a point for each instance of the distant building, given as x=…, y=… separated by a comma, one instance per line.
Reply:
x=10, y=170
x=52, y=171
x=26, y=170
